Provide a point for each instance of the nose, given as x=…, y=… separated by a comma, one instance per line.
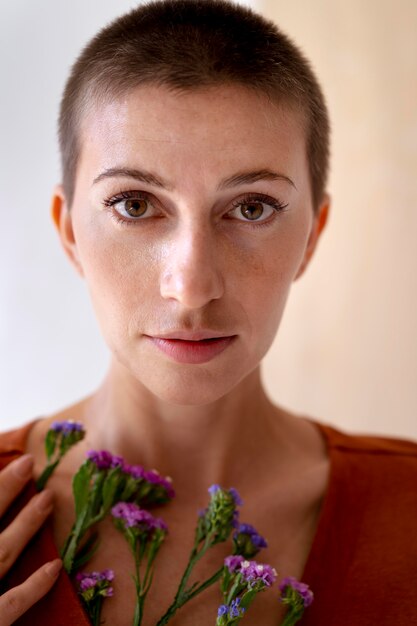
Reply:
x=191, y=271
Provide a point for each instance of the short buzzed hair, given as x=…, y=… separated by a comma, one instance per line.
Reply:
x=186, y=44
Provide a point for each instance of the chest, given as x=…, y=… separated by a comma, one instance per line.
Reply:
x=289, y=528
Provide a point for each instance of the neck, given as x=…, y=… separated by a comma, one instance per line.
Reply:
x=196, y=445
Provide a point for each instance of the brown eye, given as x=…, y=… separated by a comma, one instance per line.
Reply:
x=252, y=210
x=135, y=207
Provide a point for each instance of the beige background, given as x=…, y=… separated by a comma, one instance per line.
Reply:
x=346, y=352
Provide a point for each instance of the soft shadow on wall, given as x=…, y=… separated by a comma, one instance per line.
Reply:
x=346, y=351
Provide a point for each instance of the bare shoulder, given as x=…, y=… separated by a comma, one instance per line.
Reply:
x=302, y=437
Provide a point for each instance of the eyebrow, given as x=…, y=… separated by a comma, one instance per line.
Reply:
x=240, y=178
x=140, y=175
x=252, y=177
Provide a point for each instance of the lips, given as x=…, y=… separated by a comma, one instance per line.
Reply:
x=188, y=335
x=192, y=351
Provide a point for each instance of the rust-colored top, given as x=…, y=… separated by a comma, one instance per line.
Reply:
x=362, y=565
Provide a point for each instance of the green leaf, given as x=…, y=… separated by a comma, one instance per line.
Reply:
x=81, y=487
x=46, y=474
x=87, y=551
x=95, y=501
x=50, y=443
x=248, y=598
x=110, y=488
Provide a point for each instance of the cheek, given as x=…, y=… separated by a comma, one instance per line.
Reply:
x=120, y=272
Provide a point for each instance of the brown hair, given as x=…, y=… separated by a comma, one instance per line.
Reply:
x=185, y=44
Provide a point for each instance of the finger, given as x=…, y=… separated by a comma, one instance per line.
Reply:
x=12, y=480
x=28, y=521
x=18, y=600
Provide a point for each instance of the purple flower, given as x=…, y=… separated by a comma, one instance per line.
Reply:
x=222, y=610
x=252, y=533
x=214, y=489
x=134, y=517
x=150, y=485
x=290, y=586
x=221, y=515
x=154, y=478
x=235, y=610
x=136, y=471
x=257, y=573
x=104, y=459
x=236, y=497
x=232, y=611
x=94, y=584
x=248, y=541
x=66, y=427
x=233, y=562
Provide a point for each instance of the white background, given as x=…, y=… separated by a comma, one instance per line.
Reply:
x=51, y=352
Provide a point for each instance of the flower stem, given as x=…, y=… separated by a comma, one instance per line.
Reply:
x=70, y=548
x=44, y=477
x=207, y=583
x=291, y=617
x=183, y=595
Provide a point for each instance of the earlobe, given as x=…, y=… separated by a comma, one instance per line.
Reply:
x=319, y=222
x=62, y=219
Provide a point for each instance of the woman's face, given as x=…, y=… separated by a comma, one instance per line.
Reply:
x=191, y=218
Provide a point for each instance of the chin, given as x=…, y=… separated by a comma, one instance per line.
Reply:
x=189, y=389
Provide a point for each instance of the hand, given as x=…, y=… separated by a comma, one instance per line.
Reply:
x=14, y=537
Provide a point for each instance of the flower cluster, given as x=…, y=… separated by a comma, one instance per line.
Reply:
x=229, y=614
x=67, y=427
x=247, y=541
x=92, y=583
x=298, y=596
x=60, y=437
x=93, y=587
x=242, y=581
x=141, y=485
x=102, y=481
x=217, y=521
x=214, y=525
x=144, y=534
x=104, y=460
x=249, y=574
x=131, y=515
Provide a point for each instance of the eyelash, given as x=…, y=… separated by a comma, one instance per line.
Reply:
x=140, y=195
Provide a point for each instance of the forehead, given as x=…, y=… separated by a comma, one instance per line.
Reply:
x=201, y=131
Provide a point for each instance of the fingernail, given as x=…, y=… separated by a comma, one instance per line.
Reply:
x=44, y=500
x=22, y=467
x=53, y=568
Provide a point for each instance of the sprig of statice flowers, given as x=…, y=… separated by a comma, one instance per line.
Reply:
x=214, y=525
x=145, y=534
x=298, y=596
x=94, y=587
x=60, y=437
x=101, y=482
x=242, y=581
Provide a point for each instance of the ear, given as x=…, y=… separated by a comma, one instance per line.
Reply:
x=319, y=222
x=62, y=219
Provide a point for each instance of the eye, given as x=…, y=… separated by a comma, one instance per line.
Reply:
x=130, y=205
x=134, y=207
x=256, y=208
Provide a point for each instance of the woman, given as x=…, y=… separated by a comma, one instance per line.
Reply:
x=194, y=141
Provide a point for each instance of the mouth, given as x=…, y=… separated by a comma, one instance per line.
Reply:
x=192, y=351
